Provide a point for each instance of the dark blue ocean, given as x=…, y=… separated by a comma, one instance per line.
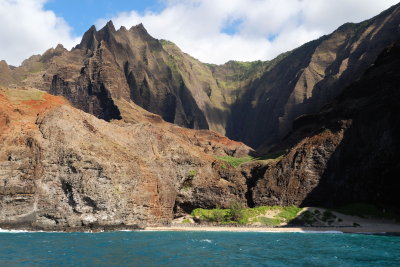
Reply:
x=197, y=249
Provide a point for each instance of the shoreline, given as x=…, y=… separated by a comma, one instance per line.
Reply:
x=377, y=229
x=371, y=228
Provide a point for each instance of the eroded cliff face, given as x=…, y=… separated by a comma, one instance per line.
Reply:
x=308, y=78
x=128, y=65
x=62, y=168
x=253, y=102
x=348, y=152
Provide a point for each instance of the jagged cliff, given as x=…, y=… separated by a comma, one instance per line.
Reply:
x=348, y=152
x=253, y=102
x=310, y=77
x=63, y=168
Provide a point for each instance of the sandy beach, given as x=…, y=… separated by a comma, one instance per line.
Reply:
x=344, y=225
x=370, y=228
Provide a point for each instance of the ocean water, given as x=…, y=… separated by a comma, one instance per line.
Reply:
x=197, y=249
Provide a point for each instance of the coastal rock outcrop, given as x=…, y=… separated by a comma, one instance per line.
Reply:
x=62, y=168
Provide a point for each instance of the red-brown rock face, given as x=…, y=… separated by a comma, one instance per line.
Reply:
x=63, y=168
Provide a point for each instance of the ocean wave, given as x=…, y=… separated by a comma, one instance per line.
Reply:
x=14, y=231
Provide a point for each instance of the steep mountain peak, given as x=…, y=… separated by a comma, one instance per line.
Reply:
x=88, y=40
x=109, y=25
x=91, y=29
x=139, y=27
x=141, y=31
x=108, y=33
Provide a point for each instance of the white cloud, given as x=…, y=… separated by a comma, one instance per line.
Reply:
x=27, y=29
x=196, y=26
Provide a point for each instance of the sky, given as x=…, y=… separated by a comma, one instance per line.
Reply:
x=213, y=31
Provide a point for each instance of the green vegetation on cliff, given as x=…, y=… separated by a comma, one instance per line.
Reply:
x=235, y=162
x=18, y=95
x=265, y=215
x=166, y=42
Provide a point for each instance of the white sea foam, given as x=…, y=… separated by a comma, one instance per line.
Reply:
x=206, y=240
x=13, y=231
x=26, y=231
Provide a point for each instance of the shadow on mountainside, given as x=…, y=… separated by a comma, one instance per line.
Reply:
x=365, y=167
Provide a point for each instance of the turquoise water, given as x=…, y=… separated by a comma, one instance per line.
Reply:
x=197, y=249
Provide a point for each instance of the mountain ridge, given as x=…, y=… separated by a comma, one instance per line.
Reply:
x=250, y=102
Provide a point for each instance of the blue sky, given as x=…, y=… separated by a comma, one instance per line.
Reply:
x=214, y=31
x=81, y=14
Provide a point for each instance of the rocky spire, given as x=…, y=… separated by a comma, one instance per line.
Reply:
x=89, y=40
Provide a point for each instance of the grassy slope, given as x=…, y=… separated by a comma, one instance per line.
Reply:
x=277, y=216
x=235, y=162
x=265, y=215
